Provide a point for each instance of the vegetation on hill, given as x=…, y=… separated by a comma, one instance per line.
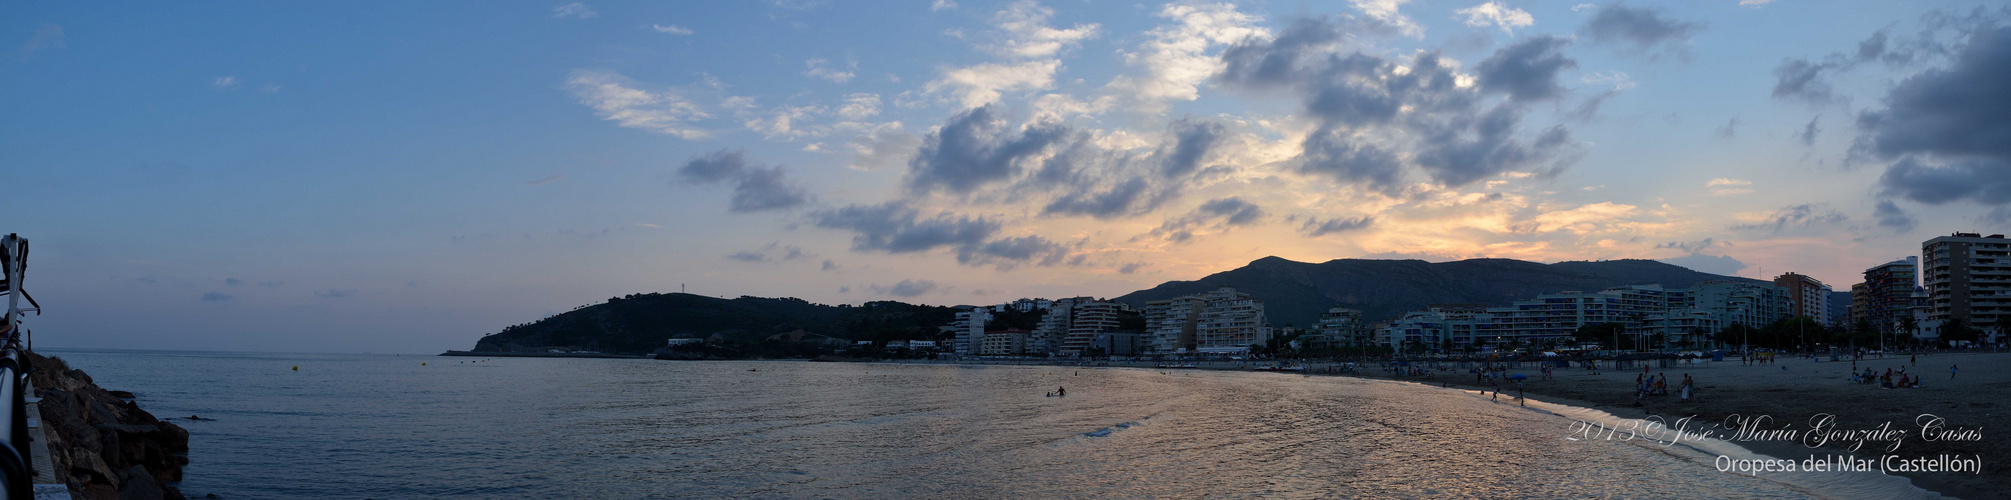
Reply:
x=641, y=323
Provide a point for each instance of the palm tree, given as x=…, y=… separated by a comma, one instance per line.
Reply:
x=1909, y=326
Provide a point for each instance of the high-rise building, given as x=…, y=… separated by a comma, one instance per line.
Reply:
x=1888, y=294
x=970, y=329
x=1968, y=279
x=1340, y=327
x=1170, y=323
x=1230, y=321
x=1053, y=327
x=1807, y=297
x=1087, y=319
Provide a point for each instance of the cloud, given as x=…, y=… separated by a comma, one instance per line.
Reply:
x=1730, y=130
x=907, y=288
x=746, y=256
x=216, y=297
x=232, y=282
x=982, y=84
x=547, y=180
x=574, y=10
x=886, y=146
x=942, y=5
x=976, y=147
x=1130, y=267
x=272, y=284
x=817, y=70
x=1754, y=3
x=1803, y=215
x=1193, y=139
x=1027, y=35
x=1728, y=187
x=1797, y=78
x=1644, y=28
x=1947, y=127
x=894, y=227
x=615, y=98
x=670, y=29
x=1714, y=264
x=774, y=252
x=1493, y=13
x=1889, y=215
x=1173, y=61
x=223, y=82
x=1126, y=198
x=829, y=266
x=755, y=188
x=1315, y=227
x=334, y=293
x=1690, y=247
x=1619, y=80
x=46, y=38
x=1808, y=133
x=1387, y=12
x=860, y=105
x=1220, y=213
x=1378, y=116
x=1527, y=71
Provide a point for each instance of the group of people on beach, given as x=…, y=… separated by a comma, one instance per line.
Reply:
x=1892, y=379
x=1651, y=385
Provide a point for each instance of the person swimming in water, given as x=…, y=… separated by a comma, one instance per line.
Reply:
x=1060, y=391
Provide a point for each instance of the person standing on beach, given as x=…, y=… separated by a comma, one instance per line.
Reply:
x=1951, y=372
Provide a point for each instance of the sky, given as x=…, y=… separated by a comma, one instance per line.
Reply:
x=409, y=176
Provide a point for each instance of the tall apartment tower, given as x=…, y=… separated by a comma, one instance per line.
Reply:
x=1807, y=297
x=1888, y=293
x=970, y=326
x=1088, y=319
x=1968, y=279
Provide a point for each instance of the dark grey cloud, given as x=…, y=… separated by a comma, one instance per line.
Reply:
x=1803, y=215
x=829, y=266
x=1714, y=264
x=907, y=288
x=232, y=281
x=216, y=297
x=1948, y=129
x=746, y=256
x=1643, y=28
x=1526, y=71
x=1192, y=140
x=1689, y=247
x=1316, y=228
x=1127, y=198
x=1222, y=213
x=335, y=293
x=1130, y=267
x=1730, y=130
x=1799, y=78
x=1379, y=116
x=894, y=227
x=1890, y=215
x=1809, y=132
x=977, y=147
x=755, y=188
x=1807, y=79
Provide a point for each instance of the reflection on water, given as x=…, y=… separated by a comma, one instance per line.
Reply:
x=385, y=426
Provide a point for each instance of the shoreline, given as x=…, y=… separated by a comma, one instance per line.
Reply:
x=1791, y=396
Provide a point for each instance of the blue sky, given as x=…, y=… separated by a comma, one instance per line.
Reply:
x=405, y=177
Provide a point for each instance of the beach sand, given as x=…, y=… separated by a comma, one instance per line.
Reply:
x=1980, y=391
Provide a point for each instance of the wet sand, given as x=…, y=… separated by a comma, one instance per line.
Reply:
x=1980, y=391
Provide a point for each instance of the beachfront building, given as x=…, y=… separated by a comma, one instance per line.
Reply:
x=1087, y=319
x=1753, y=304
x=1676, y=316
x=1119, y=343
x=1053, y=328
x=1170, y=323
x=1339, y=327
x=1888, y=294
x=1230, y=321
x=1807, y=297
x=1967, y=277
x=1416, y=331
x=1860, y=305
x=970, y=328
x=1011, y=342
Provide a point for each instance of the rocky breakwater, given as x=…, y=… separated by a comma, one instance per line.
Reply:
x=104, y=446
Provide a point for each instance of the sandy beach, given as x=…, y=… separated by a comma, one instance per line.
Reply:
x=1792, y=390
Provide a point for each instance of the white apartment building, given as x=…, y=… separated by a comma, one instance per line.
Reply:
x=1967, y=277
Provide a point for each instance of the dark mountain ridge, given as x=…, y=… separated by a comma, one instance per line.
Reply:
x=1297, y=292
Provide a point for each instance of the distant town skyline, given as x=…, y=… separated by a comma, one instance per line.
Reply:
x=409, y=177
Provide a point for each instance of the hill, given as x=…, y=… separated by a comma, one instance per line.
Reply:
x=640, y=323
x=1297, y=292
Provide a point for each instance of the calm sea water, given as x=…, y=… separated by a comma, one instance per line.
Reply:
x=357, y=426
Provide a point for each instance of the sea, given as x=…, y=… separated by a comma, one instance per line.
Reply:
x=414, y=426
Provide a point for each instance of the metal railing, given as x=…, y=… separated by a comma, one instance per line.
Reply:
x=17, y=479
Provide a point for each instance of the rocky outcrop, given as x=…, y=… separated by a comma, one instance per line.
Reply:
x=105, y=447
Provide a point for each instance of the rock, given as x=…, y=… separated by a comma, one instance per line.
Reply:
x=139, y=485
